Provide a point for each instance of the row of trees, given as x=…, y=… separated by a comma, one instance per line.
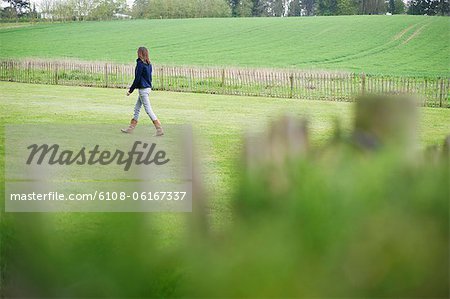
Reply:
x=429, y=7
x=257, y=8
x=180, y=9
x=108, y=9
x=66, y=9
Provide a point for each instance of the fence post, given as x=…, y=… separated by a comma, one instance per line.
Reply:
x=441, y=92
x=56, y=74
x=28, y=72
x=162, y=78
x=106, y=75
x=10, y=69
x=291, y=81
x=363, y=84
x=223, y=78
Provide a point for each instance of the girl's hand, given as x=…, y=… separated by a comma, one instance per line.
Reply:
x=128, y=93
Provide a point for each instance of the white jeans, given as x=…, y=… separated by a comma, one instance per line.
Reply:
x=144, y=99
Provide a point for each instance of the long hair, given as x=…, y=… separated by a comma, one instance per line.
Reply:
x=143, y=55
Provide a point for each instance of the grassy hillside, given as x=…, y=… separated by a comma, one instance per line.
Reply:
x=397, y=45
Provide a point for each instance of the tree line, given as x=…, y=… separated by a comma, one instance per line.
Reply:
x=165, y=9
x=286, y=8
x=67, y=10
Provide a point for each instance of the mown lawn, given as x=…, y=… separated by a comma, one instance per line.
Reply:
x=218, y=122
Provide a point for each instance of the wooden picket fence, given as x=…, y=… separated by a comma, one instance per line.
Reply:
x=280, y=83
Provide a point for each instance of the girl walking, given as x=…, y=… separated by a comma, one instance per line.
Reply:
x=143, y=82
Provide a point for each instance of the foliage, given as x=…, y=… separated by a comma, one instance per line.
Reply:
x=259, y=8
x=244, y=8
x=279, y=8
x=19, y=10
x=391, y=6
x=346, y=7
x=19, y=6
x=372, y=7
x=105, y=9
x=295, y=8
x=73, y=10
x=8, y=13
x=429, y=7
x=309, y=6
x=326, y=7
x=171, y=9
x=399, y=7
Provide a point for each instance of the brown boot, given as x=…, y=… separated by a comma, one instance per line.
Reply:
x=159, y=129
x=131, y=127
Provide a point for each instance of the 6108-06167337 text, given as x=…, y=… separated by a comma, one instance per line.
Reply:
x=140, y=153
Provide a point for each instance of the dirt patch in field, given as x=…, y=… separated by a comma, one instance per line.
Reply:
x=403, y=32
x=415, y=33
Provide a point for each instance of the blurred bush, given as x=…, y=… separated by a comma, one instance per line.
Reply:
x=366, y=215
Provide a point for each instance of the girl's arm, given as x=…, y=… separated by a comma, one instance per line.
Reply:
x=137, y=77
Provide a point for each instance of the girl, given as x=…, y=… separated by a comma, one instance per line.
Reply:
x=143, y=82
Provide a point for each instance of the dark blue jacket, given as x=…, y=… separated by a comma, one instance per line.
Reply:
x=142, y=76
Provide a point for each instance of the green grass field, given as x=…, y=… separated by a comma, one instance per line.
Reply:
x=218, y=122
x=389, y=45
x=161, y=255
